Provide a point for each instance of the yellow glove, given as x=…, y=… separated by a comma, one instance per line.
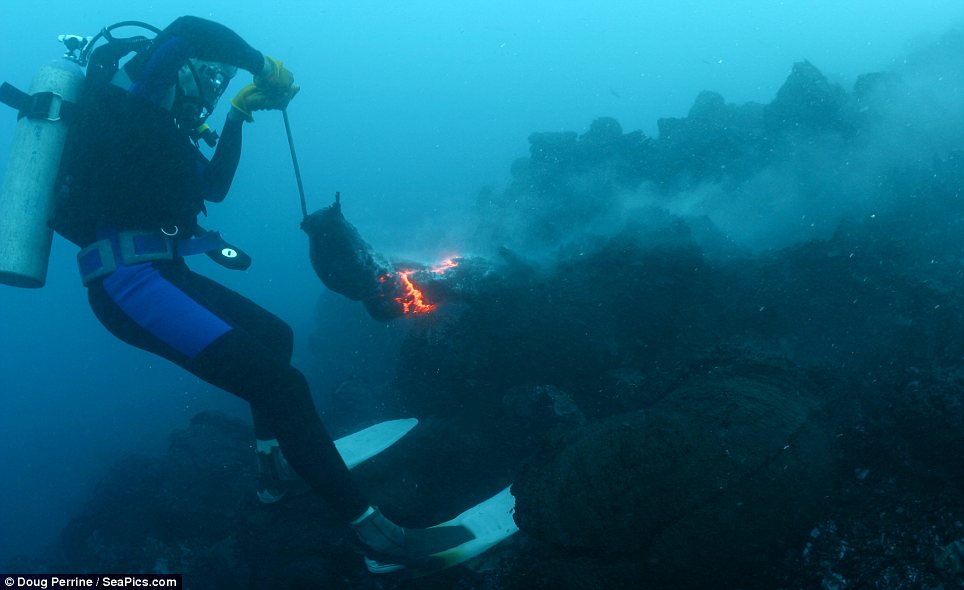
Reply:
x=274, y=75
x=252, y=98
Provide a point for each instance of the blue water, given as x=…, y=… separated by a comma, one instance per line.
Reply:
x=408, y=109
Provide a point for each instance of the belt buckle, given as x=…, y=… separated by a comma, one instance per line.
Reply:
x=128, y=248
x=107, y=262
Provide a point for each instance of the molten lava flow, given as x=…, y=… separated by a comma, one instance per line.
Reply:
x=412, y=300
x=443, y=266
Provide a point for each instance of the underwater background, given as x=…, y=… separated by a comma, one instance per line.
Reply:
x=419, y=113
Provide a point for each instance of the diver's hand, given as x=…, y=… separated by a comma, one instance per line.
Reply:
x=274, y=75
x=253, y=98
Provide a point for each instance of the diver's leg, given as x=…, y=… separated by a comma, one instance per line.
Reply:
x=275, y=475
x=292, y=415
x=270, y=330
x=157, y=307
x=239, y=311
x=163, y=308
x=279, y=393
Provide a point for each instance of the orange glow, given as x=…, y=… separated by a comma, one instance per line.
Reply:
x=443, y=266
x=413, y=301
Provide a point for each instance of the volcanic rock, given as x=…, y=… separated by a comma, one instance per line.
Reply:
x=714, y=481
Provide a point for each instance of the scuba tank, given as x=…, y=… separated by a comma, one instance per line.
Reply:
x=27, y=193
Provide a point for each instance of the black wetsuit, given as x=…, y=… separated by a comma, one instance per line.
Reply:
x=137, y=171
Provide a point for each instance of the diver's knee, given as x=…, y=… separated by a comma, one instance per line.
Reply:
x=291, y=385
x=287, y=338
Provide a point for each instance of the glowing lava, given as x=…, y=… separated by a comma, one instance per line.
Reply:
x=412, y=300
x=443, y=266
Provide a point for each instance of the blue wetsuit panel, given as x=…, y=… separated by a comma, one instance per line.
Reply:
x=162, y=309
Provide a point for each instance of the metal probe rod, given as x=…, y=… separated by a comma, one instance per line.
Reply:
x=294, y=161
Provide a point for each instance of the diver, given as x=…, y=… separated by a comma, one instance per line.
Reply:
x=133, y=183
